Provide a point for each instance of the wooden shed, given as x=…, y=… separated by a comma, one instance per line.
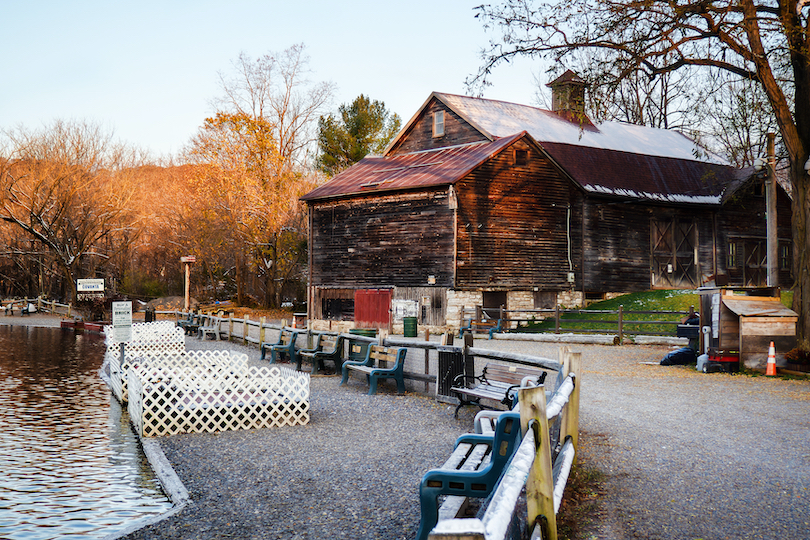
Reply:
x=743, y=321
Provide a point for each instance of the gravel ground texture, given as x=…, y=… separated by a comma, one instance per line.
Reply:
x=684, y=456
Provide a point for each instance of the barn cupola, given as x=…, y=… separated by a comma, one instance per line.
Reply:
x=568, y=94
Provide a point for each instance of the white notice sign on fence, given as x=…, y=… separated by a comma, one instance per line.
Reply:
x=122, y=321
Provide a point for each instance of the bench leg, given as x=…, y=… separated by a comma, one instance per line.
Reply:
x=372, y=384
x=429, y=501
x=264, y=351
x=345, y=378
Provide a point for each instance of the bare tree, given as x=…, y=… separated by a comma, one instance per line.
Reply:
x=64, y=187
x=755, y=41
x=251, y=167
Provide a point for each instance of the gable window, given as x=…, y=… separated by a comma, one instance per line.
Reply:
x=438, y=124
x=521, y=157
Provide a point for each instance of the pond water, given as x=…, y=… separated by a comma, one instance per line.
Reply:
x=70, y=466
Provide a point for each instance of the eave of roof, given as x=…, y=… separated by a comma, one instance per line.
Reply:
x=416, y=170
x=643, y=177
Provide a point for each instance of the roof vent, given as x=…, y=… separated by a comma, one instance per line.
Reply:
x=568, y=94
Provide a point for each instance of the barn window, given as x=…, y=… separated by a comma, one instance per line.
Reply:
x=438, y=124
x=521, y=157
x=785, y=258
x=733, y=261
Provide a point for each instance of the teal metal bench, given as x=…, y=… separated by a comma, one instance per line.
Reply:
x=475, y=326
x=327, y=347
x=190, y=324
x=473, y=470
x=284, y=345
x=374, y=369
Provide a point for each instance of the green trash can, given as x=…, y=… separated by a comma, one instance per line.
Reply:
x=359, y=349
x=410, y=326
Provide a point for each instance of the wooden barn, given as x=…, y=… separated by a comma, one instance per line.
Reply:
x=482, y=202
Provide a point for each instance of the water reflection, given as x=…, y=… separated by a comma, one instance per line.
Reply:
x=71, y=466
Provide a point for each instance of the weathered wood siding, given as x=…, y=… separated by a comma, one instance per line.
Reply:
x=511, y=230
x=742, y=220
x=420, y=135
x=617, y=245
x=382, y=241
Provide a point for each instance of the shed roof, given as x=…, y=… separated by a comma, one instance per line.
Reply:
x=427, y=168
x=758, y=307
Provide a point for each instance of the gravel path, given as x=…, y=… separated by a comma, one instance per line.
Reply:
x=685, y=456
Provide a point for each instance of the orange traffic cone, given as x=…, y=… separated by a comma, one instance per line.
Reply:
x=770, y=371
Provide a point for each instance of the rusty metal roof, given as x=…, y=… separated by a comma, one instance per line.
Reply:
x=427, y=168
x=638, y=176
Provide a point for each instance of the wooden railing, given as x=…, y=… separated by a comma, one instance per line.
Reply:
x=43, y=306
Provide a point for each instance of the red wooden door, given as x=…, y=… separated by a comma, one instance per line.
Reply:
x=372, y=308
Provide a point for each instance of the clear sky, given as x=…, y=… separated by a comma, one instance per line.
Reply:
x=148, y=70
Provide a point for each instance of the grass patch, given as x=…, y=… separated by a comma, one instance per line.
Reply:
x=659, y=300
x=579, y=505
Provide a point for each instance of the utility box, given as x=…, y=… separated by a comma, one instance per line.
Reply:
x=739, y=324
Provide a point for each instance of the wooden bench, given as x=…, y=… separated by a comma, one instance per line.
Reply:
x=472, y=471
x=376, y=366
x=497, y=382
x=284, y=345
x=327, y=347
x=28, y=309
x=480, y=326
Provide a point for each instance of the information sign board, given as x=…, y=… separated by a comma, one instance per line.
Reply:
x=122, y=321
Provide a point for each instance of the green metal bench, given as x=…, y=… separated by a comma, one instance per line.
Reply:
x=376, y=367
x=190, y=324
x=327, y=347
x=473, y=470
x=284, y=345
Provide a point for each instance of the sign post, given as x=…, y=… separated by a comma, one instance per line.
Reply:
x=187, y=262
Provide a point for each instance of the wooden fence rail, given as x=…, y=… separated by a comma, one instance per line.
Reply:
x=614, y=321
x=43, y=305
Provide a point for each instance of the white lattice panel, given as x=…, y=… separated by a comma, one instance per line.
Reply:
x=215, y=361
x=160, y=331
x=165, y=402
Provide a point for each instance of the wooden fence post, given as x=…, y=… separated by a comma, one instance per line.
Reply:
x=427, y=359
x=245, y=329
x=540, y=484
x=230, y=326
x=621, y=324
x=261, y=331
x=572, y=363
x=557, y=319
x=70, y=305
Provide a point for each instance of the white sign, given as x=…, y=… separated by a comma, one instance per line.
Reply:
x=122, y=321
x=404, y=308
x=90, y=285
